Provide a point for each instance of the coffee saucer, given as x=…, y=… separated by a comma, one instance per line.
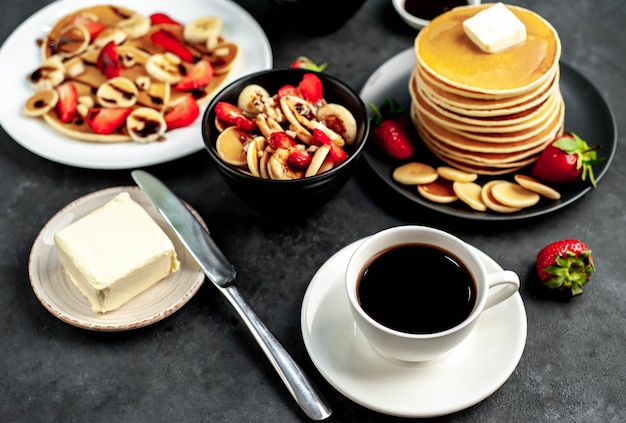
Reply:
x=469, y=374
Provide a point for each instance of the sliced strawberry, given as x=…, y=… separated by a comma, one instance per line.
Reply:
x=108, y=60
x=311, y=88
x=162, y=18
x=106, y=120
x=183, y=113
x=199, y=76
x=171, y=43
x=68, y=100
x=299, y=159
x=337, y=154
x=281, y=140
x=233, y=115
x=287, y=90
x=94, y=28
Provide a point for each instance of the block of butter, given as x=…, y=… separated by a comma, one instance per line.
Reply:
x=115, y=252
x=495, y=29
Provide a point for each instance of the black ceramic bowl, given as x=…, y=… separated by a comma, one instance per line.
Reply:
x=289, y=198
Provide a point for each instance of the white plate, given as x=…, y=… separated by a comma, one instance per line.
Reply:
x=472, y=372
x=23, y=55
x=58, y=294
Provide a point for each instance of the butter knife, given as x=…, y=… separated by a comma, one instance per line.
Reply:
x=219, y=271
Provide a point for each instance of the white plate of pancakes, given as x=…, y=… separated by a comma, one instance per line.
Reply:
x=21, y=50
x=586, y=114
x=56, y=292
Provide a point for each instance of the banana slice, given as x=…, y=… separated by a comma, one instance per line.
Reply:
x=159, y=93
x=135, y=26
x=145, y=125
x=278, y=168
x=74, y=67
x=41, y=103
x=164, y=67
x=252, y=158
x=340, y=120
x=317, y=161
x=229, y=146
x=50, y=74
x=117, y=35
x=117, y=92
x=75, y=39
x=203, y=30
x=252, y=99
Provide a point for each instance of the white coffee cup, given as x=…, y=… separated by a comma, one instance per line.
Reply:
x=417, y=347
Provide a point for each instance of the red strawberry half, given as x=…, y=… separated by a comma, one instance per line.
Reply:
x=68, y=100
x=337, y=154
x=183, y=113
x=311, y=88
x=171, y=43
x=162, y=18
x=233, y=115
x=108, y=60
x=391, y=130
x=281, y=140
x=94, y=28
x=199, y=76
x=299, y=159
x=106, y=120
x=567, y=159
x=565, y=265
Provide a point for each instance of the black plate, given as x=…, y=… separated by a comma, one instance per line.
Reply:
x=586, y=113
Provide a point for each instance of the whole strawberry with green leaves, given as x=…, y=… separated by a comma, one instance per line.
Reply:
x=567, y=159
x=565, y=265
x=391, y=130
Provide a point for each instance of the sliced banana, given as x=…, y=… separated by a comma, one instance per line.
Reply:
x=117, y=35
x=204, y=30
x=229, y=146
x=159, y=93
x=41, y=103
x=251, y=99
x=287, y=105
x=252, y=158
x=75, y=40
x=117, y=92
x=317, y=161
x=145, y=125
x=74, y=67
x=164, y=67
x=340, y=120
x=135, y=26
x=223, y=56
x=50, y=74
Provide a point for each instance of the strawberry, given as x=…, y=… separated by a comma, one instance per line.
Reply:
x=391, y=130
x=94, y=28
x=199, y=76
x=162, y=18
x=567, y=159
x=108, y=60
x=281, y=140
x=287, y=90
x=171, y=43
x=68, y=100
x=336, y=154
x=105, y=120
x=233, y=115
x=304, y=62
x=565, y=265
x=299, y=159
x=183, y=113
x=311, y=88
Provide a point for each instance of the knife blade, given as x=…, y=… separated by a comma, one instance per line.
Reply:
x=221, y=273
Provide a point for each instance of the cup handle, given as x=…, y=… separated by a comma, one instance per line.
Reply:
x=510, y=285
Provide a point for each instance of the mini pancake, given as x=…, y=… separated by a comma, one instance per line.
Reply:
x=534, y=185
x=439, y=191
x=469, y=193
x=514, y=195
x=456, y=175
x=490, y=201
x=414, y=173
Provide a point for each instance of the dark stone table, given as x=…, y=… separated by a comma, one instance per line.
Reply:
x=201, y=364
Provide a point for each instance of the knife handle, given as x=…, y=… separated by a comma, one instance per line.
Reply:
x=297, y=382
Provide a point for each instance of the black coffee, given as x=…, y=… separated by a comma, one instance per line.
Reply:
x=417, y=289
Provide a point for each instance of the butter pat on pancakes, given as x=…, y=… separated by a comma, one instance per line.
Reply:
x=495, y=29
x=115, y=253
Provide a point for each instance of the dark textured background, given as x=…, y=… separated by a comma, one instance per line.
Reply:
x=201, y=364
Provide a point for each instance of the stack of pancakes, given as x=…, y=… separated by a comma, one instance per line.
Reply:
x=487, y=113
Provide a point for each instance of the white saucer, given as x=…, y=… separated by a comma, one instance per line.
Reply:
x=60, y=296
x=472, y=372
